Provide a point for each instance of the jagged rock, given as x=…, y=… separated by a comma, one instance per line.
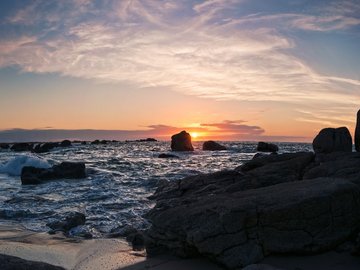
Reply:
x=333, y=140
x=70, y=221
x=8, y=262
x=65, y=170
x=267, y=147
x=65, y=143
x=21, y=147
x=357, y=133
x=181, y=142
x=239, y=228
x=167, y=156
x=213, y=146
x=4, y=146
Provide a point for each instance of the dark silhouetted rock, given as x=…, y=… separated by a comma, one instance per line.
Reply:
x=333, y=140
x=260, y=267
x=66, y=170
x=357, y=132
x=84, y=143
x=14, y=263
x=181, y=142
x=137, y=241
x=44, y=147
x=21, y=147
x=213, y=146
x=4, y=146
x=295, y=203
x=70, y=221
x=95, y=142
x=167, y=156
x=267, y=147
x=65, y=143
x=239, y=228
x=147, y=140
x=104, y=142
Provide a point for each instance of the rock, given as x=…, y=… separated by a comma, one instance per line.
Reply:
x=45, y=147
x=84, y=143
x=70, y=221
x=238, y=228
x=147, y=140
x=181, y=142
x=333, y=140
x=267, y=147
x=137, y=241
x=65, y=143
x=356, y=250
x=65, y=170
x=104, y=142
x=213, y=146
x=167, y=156
x=357, y=133
x=8, y=262
x=4, y=146
x=260, y=267
x=95, y=142
x=124, y=231
x=21, y=147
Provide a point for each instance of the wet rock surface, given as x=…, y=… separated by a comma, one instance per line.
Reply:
x=181, y=142
x=70, y=221
x=295, y=203
x=65, y=170
x=267, y=147
x=213, y=146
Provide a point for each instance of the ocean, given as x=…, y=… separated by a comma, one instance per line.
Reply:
x=120, y=177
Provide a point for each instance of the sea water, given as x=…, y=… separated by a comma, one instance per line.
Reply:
x=120, y=177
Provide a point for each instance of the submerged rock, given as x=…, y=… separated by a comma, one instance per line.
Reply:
x=213, y=146
x=333, y=140
x=65, y=170
x=70, y=221
x=267, y=147
x=8, y=262
x=264, y=207
x=181, y=142
x=167, y=156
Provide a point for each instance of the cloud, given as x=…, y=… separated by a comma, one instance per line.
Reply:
x=203, y=52
x=235, y=128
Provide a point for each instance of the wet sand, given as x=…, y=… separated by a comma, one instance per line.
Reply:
x=109, y=254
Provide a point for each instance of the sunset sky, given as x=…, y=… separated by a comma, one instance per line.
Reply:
x=275, y=70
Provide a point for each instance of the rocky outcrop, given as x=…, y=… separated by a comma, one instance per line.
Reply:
x=70, y=221
x=4, y=146
x=357, y=133
x=65, y=143
x=66, y=170
x=333, y=140
x=8, y=262
x=267, y=147
x=44, y=147
x=21, y=147
x=181, y=142
x=276, y=204
x=213, y=146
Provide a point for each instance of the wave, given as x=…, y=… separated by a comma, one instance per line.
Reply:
x=14, y=165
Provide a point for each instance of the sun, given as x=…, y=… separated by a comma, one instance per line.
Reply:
x=194, y=135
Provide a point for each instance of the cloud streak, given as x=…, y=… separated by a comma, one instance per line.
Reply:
x=206, y=52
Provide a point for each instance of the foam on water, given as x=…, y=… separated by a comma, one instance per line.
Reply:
x=14, y=165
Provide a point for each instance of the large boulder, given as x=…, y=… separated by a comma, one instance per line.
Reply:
x=65, y=170
x=240, y=228
x=357, y=132
x=333, y=140
x=181, y=142
x=213, y=146
x=44, y=147
x=4, y=146
x=267, y=147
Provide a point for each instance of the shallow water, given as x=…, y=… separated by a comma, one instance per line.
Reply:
x=120, y=178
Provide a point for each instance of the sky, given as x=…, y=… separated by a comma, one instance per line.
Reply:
x=274, y=70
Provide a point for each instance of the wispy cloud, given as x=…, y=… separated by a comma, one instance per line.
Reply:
x=203, y=52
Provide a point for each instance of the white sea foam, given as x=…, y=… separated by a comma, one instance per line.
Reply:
x=15, y=164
